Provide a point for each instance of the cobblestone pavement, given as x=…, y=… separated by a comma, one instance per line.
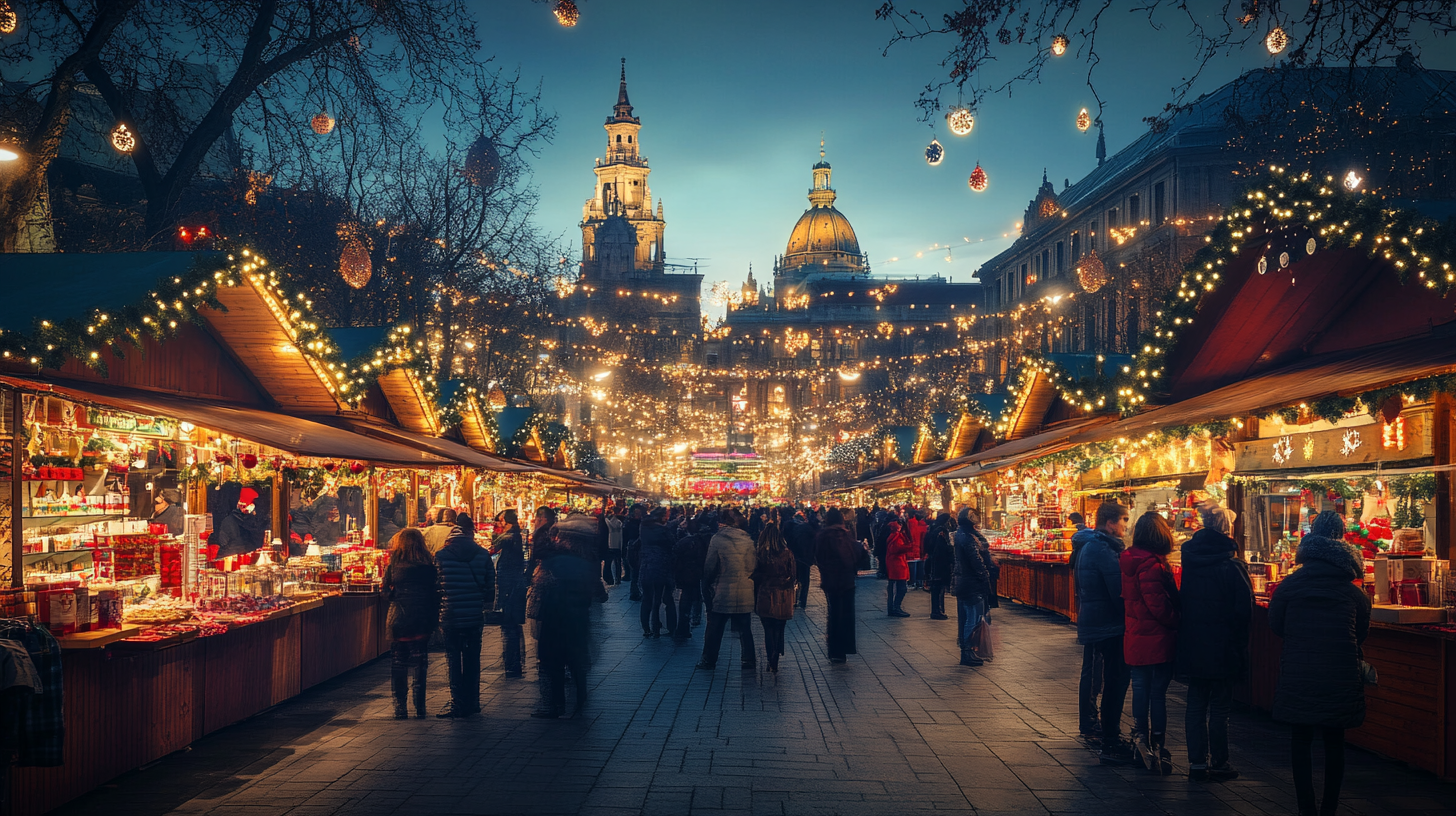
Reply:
x=899, y=728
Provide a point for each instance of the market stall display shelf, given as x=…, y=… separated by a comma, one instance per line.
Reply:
x=97, y=638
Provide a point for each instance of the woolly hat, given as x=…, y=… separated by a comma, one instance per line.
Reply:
x=1328, y=524
x=247, y=496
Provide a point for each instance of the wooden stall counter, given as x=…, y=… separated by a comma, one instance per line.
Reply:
x=1409, y=716
x=1037, y=583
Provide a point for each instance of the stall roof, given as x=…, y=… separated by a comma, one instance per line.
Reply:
x=454, y=451
x=1030, y=447
x=300, y=436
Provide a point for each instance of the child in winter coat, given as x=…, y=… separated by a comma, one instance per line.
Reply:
x=1150, y=640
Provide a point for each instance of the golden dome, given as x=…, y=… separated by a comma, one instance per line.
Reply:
x=821, y=231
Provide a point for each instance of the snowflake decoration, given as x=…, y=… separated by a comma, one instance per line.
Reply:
x=1283, y=450
x=1308, y=447
x=1350, y=442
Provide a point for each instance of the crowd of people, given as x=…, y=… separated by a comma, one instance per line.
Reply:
x=718, y=566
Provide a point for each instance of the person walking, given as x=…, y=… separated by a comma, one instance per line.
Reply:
x=801, y=543
x=1323, y=618
x=1100, y=620
x=563, y=586
x=939, y=562
x=688, y=556
x=972, y=584
x=897, y=569
x=1216, y=603
x=774, y=575
x=411, y=585
x=837, y=554
x=655, y=561
x=1150, y=620
x=511, y=581
x=728, y=576
x=612, y=569
x=467, y=589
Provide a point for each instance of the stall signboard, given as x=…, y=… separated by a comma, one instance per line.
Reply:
x=137, y=424
x=1015, y=502
x=1408, y=437
x=1175, y=458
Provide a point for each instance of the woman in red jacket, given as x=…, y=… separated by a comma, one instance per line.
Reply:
x=897, y=569
x=1150, y=601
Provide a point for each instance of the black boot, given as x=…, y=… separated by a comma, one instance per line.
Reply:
x=422, y=667
x=970, y=658
x=513, y=637
x=399, y=669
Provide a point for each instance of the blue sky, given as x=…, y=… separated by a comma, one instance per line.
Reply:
x=733, y=97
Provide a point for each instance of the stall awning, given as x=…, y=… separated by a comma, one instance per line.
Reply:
x=1027, y=448
x=444, y=448
x=299, y=436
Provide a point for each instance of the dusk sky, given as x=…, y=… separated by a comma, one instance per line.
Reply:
x=733, y=97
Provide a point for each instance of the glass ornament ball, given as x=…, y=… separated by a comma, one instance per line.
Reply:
x=122, y=139
x=1084, y=120
x=322, y=123
x=1276, y=41
x=1059, y=45
x=934, y=153
x=1092, y=273
x=960, y=120
x=566, y=13
x=978, y=180
x=355, y=267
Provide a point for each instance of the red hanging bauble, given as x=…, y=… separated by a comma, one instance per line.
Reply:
x=978, y=180
x=331, y=466
x=357, y=468
x=248, y=461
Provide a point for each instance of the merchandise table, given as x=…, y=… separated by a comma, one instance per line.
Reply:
x=1038, y=584
x=126, y=707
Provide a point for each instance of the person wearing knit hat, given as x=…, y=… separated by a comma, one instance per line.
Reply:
x=238, y=532
x=467, y=590
x=1322, y=617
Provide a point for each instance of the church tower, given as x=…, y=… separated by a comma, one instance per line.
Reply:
x=621, y=236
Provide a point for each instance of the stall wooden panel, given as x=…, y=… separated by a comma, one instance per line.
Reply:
x=249, y=669
x=122, y=710
x=341, y=634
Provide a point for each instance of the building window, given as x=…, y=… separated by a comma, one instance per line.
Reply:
x=711, y=358
x=619, y=138
x=1046, y=264
x=1112, y=218
x=1076, y=246
x=1025, y=278
x=1061, y=258
x=1158, y=204
x=1092, y=237
x=1134, y=209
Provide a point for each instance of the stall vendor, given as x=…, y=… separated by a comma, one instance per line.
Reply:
x=237, y=533
x=167, y=510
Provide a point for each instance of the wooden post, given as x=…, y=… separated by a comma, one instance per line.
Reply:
x=371, y=507
x=281, y=497
x=17, y=523
x=412, y=512
x=1441, y=438
x=467, y=484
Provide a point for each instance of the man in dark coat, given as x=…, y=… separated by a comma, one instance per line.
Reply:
x=563, y=587
x=939, y=563
x=467, y=589
x=1213, y=640
x=655, y=564
x=837, y=554
x=168, y=511
x=1323, y=618
x=688, y=556
x=801, y=544
x=511, y=581
x=972, y=585
x=632, y=548
x=1100, y=621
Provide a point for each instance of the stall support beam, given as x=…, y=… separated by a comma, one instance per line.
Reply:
x=371, y=508
x=467, y=486
x=1445, y=500
x=17, y=525
x=412, y=513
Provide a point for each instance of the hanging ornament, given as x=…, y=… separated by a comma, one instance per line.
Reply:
x=1277, y=40
x=248, y=461
x=1310, y=246
x=934, y=153
x=322, y=123
x=566, y=13
x=1084, y=120
x=1352, y=181
x=331, y=466
x=122, y=138
x=1263, y=265
x=355, y=267
x=357, y=467
x=8, y=18
x=978, y=180
x=1092, y=273
x=960, y=120
x=496, y=399
x=483, y=163
x=1059, y=45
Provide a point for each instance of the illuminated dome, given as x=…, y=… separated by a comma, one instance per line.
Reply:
x=823, y=239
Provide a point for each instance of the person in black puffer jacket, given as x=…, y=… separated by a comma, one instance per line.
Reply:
x=688, y=557
x=800, y=538
x=1323, y=618
x=655, y=564
x=972, y=585
x=563, y=586
x=1213, y=640
x=467, y=589
x=939, y=562
x=511, y=581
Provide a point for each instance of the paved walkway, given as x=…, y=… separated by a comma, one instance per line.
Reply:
x=900, y=728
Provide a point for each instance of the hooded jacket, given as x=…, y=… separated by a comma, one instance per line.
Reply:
x=897, y=553
x=1323, y=618
x=729, y=571
x=467, y=579
x=1150, y=602
x=1099, y=586
x=1216, y=602
x=837, y=554
x=972, y=578
x=511, y=579
x=939, y=552
x=655, y=560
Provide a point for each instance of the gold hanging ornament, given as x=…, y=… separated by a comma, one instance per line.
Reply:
x=1084, y=120
x=1277, y=40
x=1092, y=273
x=122, y=138
x=9, y=20
x=960, y=120
x=978, y=180
x=496, y=399
x=355, y=267
x=566, y=13
x=322, y=123
x=1059, y=45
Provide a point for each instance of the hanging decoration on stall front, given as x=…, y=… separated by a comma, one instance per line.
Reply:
x=978, y=180
x=1084, y=120
x=1092, y=273
x=566, y=13
x=1059, y=45
x=960, y=120
x=1392, y=435
x=1283, y=450
x=322, y=123
x=1352, y=181
x=122, y=138
x=934, y=153
x=1349, y=443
